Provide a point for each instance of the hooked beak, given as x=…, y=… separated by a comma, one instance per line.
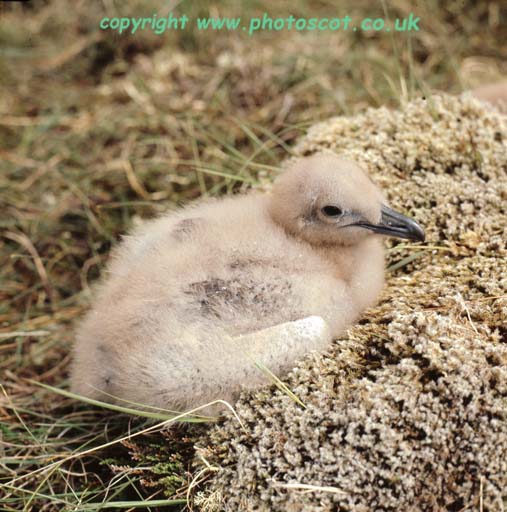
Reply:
x=395, y=224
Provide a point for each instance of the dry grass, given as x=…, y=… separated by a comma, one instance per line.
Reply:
x=99, y=129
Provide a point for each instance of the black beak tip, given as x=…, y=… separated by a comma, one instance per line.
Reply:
x=420, y=236
x=393, y=223
x=401, y=226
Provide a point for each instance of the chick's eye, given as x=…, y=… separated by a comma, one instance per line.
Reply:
x=332, y=211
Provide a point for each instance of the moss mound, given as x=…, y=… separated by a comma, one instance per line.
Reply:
x=408, y=411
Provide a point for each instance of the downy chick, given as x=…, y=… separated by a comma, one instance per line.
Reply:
x=195, y=298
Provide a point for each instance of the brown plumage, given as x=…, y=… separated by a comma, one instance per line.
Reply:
x=194, y=298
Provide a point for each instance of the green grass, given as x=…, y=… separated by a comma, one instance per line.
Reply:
x=98, y=130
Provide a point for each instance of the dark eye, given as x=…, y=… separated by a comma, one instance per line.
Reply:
x=331, y=211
